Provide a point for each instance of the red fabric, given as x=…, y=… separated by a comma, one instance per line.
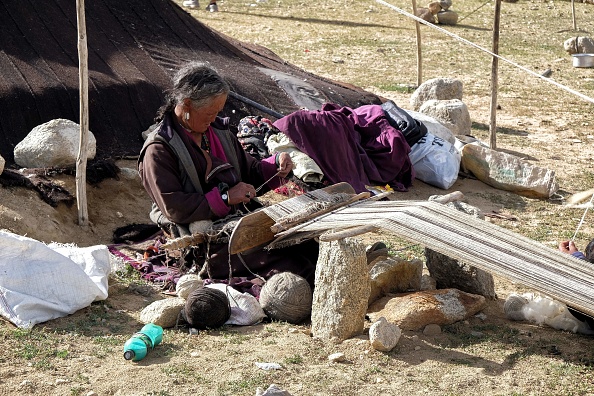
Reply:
x=216, y=148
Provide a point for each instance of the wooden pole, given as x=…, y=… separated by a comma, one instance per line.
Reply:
x=419, y=55
x=494, y=78
x=83, y=80
x=573, y=14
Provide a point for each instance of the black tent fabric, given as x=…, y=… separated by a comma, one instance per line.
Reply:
x=134, y=47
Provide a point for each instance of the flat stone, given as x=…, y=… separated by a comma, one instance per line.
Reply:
x=414, y=311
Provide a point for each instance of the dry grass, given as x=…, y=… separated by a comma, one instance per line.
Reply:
x=372, y=46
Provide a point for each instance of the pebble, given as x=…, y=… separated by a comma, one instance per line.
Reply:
x=432, y=329
x=337, y=357
x=26, y=383
x=61, y=381
x=481, y=316
x=92, y=393
x=268, y=366
x=194, y=354
x=417, y=348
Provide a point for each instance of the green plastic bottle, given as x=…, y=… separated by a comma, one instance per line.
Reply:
x=137, y=347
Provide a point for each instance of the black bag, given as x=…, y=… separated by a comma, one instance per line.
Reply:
x=413, y=130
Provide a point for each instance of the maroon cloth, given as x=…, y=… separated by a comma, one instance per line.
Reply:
x=357, y=146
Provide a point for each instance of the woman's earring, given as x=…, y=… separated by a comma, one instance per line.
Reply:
x=187, y=116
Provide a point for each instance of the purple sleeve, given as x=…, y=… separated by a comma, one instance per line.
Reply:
x=217, y=205
x=579, y=255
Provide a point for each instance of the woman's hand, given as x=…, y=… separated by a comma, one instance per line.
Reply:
x=568, y=247
x=285, y=165
x=241, y=193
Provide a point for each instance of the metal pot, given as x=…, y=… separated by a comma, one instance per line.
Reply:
x=583, y=60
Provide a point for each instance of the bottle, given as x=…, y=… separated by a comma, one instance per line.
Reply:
x=137, y=347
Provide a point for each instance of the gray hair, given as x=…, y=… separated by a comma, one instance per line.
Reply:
x=197, y=81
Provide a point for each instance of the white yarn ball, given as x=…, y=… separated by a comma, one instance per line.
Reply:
x=187, y=284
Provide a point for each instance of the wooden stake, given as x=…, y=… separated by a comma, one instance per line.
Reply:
x=573, y=14
x=494, y=78
x=419, y=54
x=83, y=80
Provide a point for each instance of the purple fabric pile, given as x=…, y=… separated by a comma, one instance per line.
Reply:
x=357, y=146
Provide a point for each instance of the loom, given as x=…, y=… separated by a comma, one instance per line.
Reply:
x=436, y=226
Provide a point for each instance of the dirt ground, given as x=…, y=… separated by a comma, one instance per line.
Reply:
x=82, y=354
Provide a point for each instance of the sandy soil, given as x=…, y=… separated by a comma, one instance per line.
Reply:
x=477, y=356
x=82, y=354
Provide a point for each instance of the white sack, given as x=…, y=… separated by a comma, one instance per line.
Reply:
x=245, y=308
x=39, y=283
x=436, y=161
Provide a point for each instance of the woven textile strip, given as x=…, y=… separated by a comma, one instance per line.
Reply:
x=474, y=242
x=290, y=206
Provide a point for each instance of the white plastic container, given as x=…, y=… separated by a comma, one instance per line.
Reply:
x=583, y=60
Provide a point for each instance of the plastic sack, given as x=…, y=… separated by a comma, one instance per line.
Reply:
x=245, y=308
x=509, y=172
x=435, y=161
x=41, y=282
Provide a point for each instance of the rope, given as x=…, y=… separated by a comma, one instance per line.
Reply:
x=583, y=217
x=563, y=87
x=473, y=11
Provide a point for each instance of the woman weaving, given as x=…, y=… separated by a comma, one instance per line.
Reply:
x=195, y=170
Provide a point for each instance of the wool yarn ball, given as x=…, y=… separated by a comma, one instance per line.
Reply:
x=207, y=308
x=287, y=297
x=187, y=284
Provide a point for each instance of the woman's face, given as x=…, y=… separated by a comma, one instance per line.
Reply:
x=202, y=117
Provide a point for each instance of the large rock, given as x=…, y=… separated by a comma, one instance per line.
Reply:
x=447, y=17
x=393, y=275
x=579, y=45
x=445, y=4
x=341, y=290
x=428, y=14
x=414, y=311
x=450, y=273
x=508, y=172
x=452, y=113
x=436, y=89
x=53, y=144
x=163, y=312
x=433, y=126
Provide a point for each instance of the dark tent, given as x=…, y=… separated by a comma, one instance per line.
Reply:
x=134, y=46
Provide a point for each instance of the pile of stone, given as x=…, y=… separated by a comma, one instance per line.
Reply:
x=438, y=12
